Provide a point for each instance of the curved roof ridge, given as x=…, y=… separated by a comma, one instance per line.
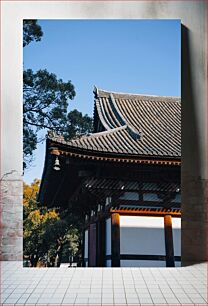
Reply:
x=97, y=90
x=59, y=138
x=132, y=131
x=94, y=135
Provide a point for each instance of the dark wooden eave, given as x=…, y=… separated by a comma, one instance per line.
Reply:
x=129, y=129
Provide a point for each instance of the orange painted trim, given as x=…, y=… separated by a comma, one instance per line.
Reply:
x=147, y=212
x=122, y=159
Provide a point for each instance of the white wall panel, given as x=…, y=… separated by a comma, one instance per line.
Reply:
x=108, y=237
x=176, y=225
x=142, y=235
x=143, y=263
x=86, y=245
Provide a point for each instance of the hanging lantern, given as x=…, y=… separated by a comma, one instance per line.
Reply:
x=57, y=164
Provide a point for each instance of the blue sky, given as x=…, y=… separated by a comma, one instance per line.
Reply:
x=135, y=56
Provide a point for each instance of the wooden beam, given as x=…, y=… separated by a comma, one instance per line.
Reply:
x=170, y=262
x=146, y=212
x=79, y=153
x=100, y=243
x=143, y=257
x=115, y=240
x=92, y=246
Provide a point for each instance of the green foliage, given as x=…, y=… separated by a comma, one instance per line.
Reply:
x=43, y=227
x=45, y=102
x=31, y=31
x=77, y=124
x=29, y=197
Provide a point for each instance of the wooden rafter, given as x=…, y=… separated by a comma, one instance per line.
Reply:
x=146, y=212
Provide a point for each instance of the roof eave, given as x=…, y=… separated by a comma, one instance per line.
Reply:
x=65, y=150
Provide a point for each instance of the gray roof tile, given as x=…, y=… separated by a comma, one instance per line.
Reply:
x=133, y=124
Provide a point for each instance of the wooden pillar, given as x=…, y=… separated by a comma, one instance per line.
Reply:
x=115, y=240
x=88, y=245
x=83, y=248
x=92, y=246
x=100, y=243
x=170, y=262
x=88, y=264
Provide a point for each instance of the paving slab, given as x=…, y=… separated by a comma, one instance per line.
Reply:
x=101, y=286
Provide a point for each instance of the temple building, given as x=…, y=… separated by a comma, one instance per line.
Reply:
x=124, y=179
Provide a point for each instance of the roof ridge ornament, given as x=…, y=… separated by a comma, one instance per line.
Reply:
x=132, y=132
x=96, y=92
x=107, y=132
x=53, y=135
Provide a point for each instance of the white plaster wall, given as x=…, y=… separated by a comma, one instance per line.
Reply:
x=176, y=225
x=142, y=235
x=86, y=245
x=108, y=237
x=142, y=263
x=108, y=263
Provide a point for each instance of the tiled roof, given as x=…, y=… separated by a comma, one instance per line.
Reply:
x=130, y=124
x=118, y=184
x=159, y=194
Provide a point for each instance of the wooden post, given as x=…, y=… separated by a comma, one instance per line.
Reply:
x=100, y=243
x=170, y=262
x=88, y=246
x=115, y=240
x=83, y=248
x=92, y=246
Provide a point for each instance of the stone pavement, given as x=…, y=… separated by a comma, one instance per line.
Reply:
x=103, y=286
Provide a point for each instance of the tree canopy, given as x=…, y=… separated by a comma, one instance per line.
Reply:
x=77, y=124
x=45, y=102
x=31, y=31
x=44, y=227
